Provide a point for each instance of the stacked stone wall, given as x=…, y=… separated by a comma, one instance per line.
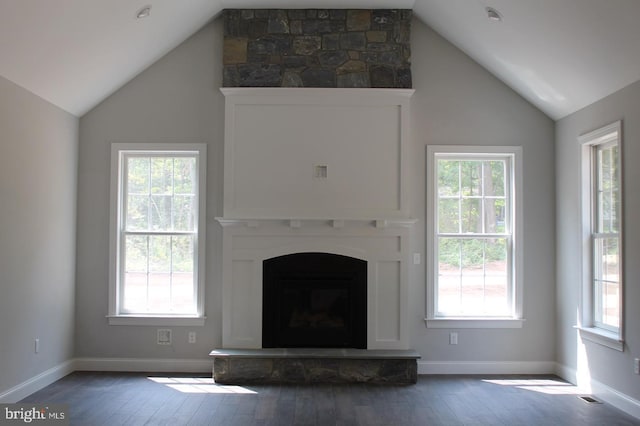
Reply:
x=317, y=48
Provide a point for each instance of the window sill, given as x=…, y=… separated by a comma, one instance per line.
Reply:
x=602, y=337
x=473, y=322
x=155, y=321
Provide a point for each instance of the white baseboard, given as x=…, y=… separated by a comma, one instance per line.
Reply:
x=486, y=367
x=151, y=365
x=36, y=383
x=603, y=392
x=569, y=374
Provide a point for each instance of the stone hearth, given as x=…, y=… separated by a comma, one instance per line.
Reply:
x=247, y=366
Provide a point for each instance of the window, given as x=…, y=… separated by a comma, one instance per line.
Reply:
x=602, y=225
x=157, y=246
x=473, y=209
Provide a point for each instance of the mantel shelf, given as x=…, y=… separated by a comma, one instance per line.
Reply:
x=301, y=92
x=329, y=222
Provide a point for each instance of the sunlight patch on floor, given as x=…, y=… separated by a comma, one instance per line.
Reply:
x=547, y=386
x=199, y=385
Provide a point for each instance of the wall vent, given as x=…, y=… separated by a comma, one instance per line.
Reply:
x=589, y=399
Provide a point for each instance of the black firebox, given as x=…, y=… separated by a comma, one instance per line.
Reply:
x=314, y=300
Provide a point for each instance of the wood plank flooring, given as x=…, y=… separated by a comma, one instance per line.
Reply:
x=151, y=399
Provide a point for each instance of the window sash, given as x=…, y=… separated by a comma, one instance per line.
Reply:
x=491, y=307
x=150, y=195
x=154, y=276
x=606, y=306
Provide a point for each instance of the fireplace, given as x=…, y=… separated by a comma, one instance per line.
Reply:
x=319, y=173
x=314, y=300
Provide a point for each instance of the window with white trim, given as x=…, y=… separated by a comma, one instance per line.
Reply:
x=472, y=229
x=157, y=245
x=602, y=225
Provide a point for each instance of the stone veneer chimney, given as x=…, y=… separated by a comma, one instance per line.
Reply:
x=317, y=48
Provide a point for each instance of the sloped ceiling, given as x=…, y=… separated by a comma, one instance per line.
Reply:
x=561, y=55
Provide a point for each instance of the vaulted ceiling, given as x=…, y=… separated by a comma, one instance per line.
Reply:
x=561, y=55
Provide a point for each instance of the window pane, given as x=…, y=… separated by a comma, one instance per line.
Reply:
x=606, y=280
x=159, y=292
x=161, y=212
x=472, y=295
x=183, y=294
x=448, y=215
x=137, y=213
x=608, y=303
x=135, y=276
x=185, y=175
x=494, y=215
x=137, y=175
x=449, y=275
x=472, y=256
x=182, y=253
x=607, y=189
x=184, y=213
x=615, y=212
x=470, y=177
x=161, y=175
x=497, y=301
x=160, y=253
x=494, y=175
x=471, y=215
x=448, y=178
x=134, y=297
x=611, y=307
x=604, y=209
x=496, y=253
x=604, y=164
x=136, y=253
x=183, y=288
x=497, y=294
x=614, y=168
x=610, y=259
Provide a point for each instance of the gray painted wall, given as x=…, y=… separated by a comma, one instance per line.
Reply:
x=175, y=100
x=37, y=234
x=607, y=366
x=456, y=102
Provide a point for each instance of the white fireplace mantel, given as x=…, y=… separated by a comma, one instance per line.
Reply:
x=316, y=170
x=385, y=249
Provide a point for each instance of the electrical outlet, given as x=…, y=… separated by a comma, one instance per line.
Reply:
x=416, y=258
x=636, y=365
x=453, y=338
x=192, y=337
x=164, y=336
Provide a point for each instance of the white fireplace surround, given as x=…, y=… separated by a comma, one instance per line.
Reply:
x=316, y=170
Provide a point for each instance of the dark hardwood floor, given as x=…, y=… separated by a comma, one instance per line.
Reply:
x=138, y=399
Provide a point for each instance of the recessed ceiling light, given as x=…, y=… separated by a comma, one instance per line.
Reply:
x=493, y=14
x=144, y=12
